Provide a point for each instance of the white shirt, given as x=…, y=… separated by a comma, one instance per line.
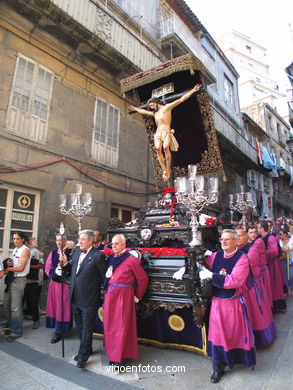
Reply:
x=81, y=258
x=16, y=257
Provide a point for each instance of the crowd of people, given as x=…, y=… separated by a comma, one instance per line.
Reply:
x=77, y=275
x=250, y=277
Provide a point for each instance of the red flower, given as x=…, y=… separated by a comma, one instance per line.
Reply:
x=168, y=190
x=156, y=252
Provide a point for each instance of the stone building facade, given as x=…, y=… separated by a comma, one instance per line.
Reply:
x=64, y=120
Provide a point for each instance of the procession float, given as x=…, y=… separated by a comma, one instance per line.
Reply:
x=171, y=235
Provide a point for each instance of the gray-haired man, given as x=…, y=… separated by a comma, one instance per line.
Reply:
x=87, y=275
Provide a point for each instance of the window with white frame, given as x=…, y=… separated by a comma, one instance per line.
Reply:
x=106, y=133
x=28, y=111
x=228, y=90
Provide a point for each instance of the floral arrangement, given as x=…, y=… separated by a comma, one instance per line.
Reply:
x=207, y=220
x=156, y=252
x=168, y=201
x=211, y=221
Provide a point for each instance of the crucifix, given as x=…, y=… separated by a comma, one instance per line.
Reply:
x=160, y=108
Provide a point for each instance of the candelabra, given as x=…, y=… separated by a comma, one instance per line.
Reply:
x=242, y=203
x=79, y=207
x=190, y=192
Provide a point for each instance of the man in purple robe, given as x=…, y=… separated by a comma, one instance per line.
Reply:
x=275, y=267
x=230, y=337
x=58, y=317
x=256, y=298
x=125, y=284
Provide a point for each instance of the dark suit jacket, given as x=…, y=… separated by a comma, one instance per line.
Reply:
x=86, y=284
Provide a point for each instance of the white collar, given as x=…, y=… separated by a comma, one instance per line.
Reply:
x=232, y=253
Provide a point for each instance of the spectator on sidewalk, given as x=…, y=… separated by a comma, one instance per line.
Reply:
x=54, y=310
x=97, y=243
x=32, y=288
x=13, y=297
x=285, y=257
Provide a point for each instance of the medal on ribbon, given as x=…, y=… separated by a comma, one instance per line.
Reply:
x=223, y=271
x=109, y=272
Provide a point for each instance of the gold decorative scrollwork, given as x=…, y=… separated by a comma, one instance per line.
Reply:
x=211, y=159
x=146, y=309
x=167, y=287
x=150, y=129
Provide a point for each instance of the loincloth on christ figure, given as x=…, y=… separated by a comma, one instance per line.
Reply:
x=161, y=135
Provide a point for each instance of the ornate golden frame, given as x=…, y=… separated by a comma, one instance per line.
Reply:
x=211, y=160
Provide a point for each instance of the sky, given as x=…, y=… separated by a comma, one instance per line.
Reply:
x=269, y=23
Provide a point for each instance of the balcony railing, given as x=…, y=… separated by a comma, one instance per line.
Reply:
x=226, y=128
x=112, y=30
x=174, y=25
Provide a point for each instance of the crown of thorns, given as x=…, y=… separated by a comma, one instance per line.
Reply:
x=154, y=100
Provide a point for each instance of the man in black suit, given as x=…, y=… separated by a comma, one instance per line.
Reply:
x=87, y=275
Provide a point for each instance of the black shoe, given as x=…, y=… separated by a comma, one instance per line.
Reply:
x=216, y=376
x=55, y=338
x=117, y=366
x=76, y=357
x=81, y=363
x=13, y=336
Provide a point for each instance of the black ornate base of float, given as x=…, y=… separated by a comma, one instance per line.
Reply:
x=152, y=229
x=167, y=325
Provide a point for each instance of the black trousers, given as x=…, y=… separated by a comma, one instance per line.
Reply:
x=85, y=320
x=31, y=297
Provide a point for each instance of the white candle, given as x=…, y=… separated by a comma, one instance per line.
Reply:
x=73, y=199
x=238, y=197
x=87, y=198
x=199, y=183
x=214, y=183
x=231, y=198
x=192, y=169
x=62, y=200
x=78, y=189
x=249, y=196
x=181, y=185
x=191, y=185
